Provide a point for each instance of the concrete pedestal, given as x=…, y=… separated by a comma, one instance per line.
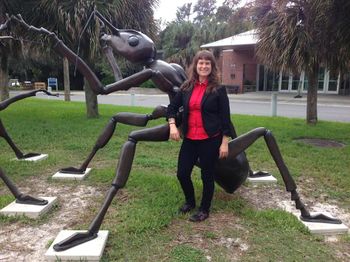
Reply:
x=35, y=158
x=324, y=228
x=32, y=211
x=264, y=179
x=316, y=228
x=67, y=176
x=88, y=251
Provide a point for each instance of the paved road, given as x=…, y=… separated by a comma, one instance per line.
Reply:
x=330, y=107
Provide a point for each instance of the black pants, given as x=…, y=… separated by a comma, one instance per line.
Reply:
x=207, y=151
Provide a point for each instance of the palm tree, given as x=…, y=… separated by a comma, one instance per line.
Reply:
x=68, y=18
x=340, y=34
x=6, y=45
x=295, y=36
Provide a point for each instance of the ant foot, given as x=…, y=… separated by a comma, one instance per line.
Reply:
x=29, y=155
x=74, y=240
x=29, y=200
x=258, y=174
x=72, y=170
x=320, y=218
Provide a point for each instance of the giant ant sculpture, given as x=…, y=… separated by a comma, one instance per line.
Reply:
x=138, y=48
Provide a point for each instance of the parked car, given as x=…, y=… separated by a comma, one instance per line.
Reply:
x=14, y=83
x=27, y=85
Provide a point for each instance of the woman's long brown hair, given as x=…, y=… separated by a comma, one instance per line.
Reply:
x=213, y=78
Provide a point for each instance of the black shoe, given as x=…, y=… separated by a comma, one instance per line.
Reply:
x=199, y=216
x=186, y=208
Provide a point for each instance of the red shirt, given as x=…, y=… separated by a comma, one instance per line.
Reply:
x=195, y=123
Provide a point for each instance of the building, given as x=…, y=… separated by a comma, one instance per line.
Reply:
x=241, y=72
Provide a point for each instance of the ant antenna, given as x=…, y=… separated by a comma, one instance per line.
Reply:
x=79, y=40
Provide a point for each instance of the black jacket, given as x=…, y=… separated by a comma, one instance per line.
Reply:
x=215, y=111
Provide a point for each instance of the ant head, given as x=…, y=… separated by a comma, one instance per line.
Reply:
x=132, y=45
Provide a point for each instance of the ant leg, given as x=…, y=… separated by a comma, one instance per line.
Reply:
x=8, y=139
x=158, y=133
x=3, y=105
x=20, y=197
x=236, y=162
x=242, y=142
x=19, y=154
x=291, y=186
x=124, y=118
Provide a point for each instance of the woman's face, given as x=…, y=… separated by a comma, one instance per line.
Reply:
x=203, y=68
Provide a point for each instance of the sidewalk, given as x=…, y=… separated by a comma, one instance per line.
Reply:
x=263, y=96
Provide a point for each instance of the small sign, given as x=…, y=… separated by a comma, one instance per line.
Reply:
x=51, y=81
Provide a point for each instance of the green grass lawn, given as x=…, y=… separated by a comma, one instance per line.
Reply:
x=143, y=220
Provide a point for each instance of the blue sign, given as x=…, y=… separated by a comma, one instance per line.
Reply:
x=51, y=81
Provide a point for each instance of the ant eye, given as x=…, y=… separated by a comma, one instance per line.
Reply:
x=133, y=40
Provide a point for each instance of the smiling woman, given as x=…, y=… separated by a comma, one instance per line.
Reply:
x=203, y=69
x=206, y=127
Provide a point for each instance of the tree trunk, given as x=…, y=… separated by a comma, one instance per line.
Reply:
x=66, y=79
x=91, y=101
x=311, y=106
x=4, y=89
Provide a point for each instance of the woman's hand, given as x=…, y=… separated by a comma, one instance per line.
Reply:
x=174, y=133
x=223, y=150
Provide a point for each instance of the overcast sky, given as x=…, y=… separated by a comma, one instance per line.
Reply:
x=167, y=8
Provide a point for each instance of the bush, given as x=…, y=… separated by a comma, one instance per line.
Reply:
x=148, y=84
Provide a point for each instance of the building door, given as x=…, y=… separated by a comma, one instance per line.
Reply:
x=249, y=77
x=284, y=82
x=272, y=80
x=321, y=80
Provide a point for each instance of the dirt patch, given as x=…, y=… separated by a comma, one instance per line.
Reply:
x=272, y=196
x=213, y=232
x=25, y=242
x=319, y=142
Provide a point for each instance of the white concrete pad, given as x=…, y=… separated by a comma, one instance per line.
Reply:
x=263, y=179
x=324, y=228
x=316, y=228
x=88, y=251
x=32, y=211
x=60, y=175
x=34, y=158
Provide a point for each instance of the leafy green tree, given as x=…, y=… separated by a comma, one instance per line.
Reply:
x=296, y=35
x=183, y=13
x=177, y=42
x=182, y=38
x=204, y=10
